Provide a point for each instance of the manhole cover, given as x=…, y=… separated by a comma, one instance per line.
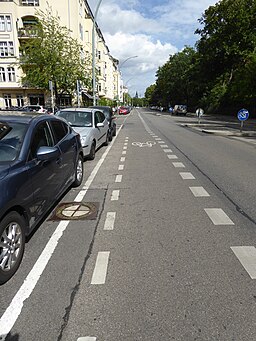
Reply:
x=75, y=211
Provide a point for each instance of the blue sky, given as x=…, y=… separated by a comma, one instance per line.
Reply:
x=151, y=29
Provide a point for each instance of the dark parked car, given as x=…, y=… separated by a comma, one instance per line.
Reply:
x=40, y=158
x=108, y=112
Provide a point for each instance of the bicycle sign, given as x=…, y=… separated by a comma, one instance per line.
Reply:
x=144, y=144
x=243, y=114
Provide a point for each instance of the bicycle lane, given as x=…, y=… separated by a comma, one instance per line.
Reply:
x=150, y=275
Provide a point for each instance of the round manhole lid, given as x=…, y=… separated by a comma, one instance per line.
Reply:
x=75, y=211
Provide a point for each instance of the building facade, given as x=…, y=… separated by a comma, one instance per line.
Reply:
x=16, y=25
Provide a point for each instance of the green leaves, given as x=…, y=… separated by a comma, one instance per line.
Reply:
x=53, y=55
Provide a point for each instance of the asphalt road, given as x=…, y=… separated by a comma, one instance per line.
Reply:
x=169, y=256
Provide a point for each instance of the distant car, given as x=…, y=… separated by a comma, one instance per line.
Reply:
x=109, y=114
x=33, y=108
x=123, y=111
x=41, y=157
x=92, y=126
x=180, y=109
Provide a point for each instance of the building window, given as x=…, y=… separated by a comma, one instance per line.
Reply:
x=20, y=101
x=8, y=100
x=2, y=75
x=5, y=23
x=6, y=49
x=30, y=2
x=11, y=74
x=99, y=87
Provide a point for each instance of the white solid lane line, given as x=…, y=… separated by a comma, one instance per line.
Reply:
x=247, y=257
x=187, y=176
x=199, y=191
x=118, y=178
x=172, y=157
x=218, y=216
x=121, y=167
x=115, y=195
x=13, y=311
x=87, y=338
x=178, y=165
x=110, y=221
x=101, y=267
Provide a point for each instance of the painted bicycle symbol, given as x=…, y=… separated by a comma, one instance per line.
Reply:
x=144, y=144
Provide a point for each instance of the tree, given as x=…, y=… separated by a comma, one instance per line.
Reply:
x=53, y=55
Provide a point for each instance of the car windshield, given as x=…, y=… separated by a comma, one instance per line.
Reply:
x=11, y=137
x=77, y=118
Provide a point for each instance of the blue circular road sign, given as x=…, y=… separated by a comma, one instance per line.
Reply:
x=243, y=114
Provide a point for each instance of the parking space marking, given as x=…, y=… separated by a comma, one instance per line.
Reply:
x=247, y=257
x=164, y=146
x=178, y=165
x=121, y=167
x=187, y=176
x=101, y=267
x=124, y=152
x=199, y=191
x=115, y=195
x=218, y=216
x=167, y=150
x=110, y=221
x=118, y=178
x=172, y=156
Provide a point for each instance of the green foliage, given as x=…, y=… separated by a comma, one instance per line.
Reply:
x=220, y=72
x=53, y=55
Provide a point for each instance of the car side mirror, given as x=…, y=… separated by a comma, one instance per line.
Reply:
x=47, y=153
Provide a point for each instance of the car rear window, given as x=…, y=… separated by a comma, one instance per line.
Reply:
x=77, y=118
x=11, y=138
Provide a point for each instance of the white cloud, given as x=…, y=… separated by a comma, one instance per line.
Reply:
x=150, y=29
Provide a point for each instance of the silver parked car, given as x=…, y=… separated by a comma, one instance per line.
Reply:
x=92, y=126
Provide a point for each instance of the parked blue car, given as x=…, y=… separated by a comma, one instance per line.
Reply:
x=40, y=158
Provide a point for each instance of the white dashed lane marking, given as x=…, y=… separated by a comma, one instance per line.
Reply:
x=199, y=192
x=122, y=159
x=118, y=178
x=172, y=157
x=187, y=176
x=121, y=167
x=164, y=146
x=158, y=139
x=110, y=221
x=218, y=216
x=87, y=338
x=160, y=142
x=178, y=165
x=247, y=257
x=101, y=267
x=167, y=150
x=124, y=152
x=125, y=147
x=115, y=195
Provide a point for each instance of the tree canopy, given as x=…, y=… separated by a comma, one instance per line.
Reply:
x=52, y=54
x=219, y=72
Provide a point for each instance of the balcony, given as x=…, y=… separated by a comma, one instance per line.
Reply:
x=27, y=32
x=29, y=2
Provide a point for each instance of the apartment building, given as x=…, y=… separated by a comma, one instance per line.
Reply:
x=16, y=19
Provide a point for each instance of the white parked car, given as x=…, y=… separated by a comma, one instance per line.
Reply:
x=92, y=126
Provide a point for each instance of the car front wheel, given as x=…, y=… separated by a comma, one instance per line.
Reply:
x=79, y=172
x=12, y=245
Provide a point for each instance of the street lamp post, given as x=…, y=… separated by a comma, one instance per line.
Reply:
x=93, y=53
x=120, y=75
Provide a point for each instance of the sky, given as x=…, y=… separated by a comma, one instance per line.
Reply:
x=151, y=30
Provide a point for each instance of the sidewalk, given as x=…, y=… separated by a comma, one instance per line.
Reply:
x=222, y=125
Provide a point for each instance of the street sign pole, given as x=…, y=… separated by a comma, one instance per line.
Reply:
x=242, y=115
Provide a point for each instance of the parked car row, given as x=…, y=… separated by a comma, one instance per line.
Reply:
x=41, y=157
